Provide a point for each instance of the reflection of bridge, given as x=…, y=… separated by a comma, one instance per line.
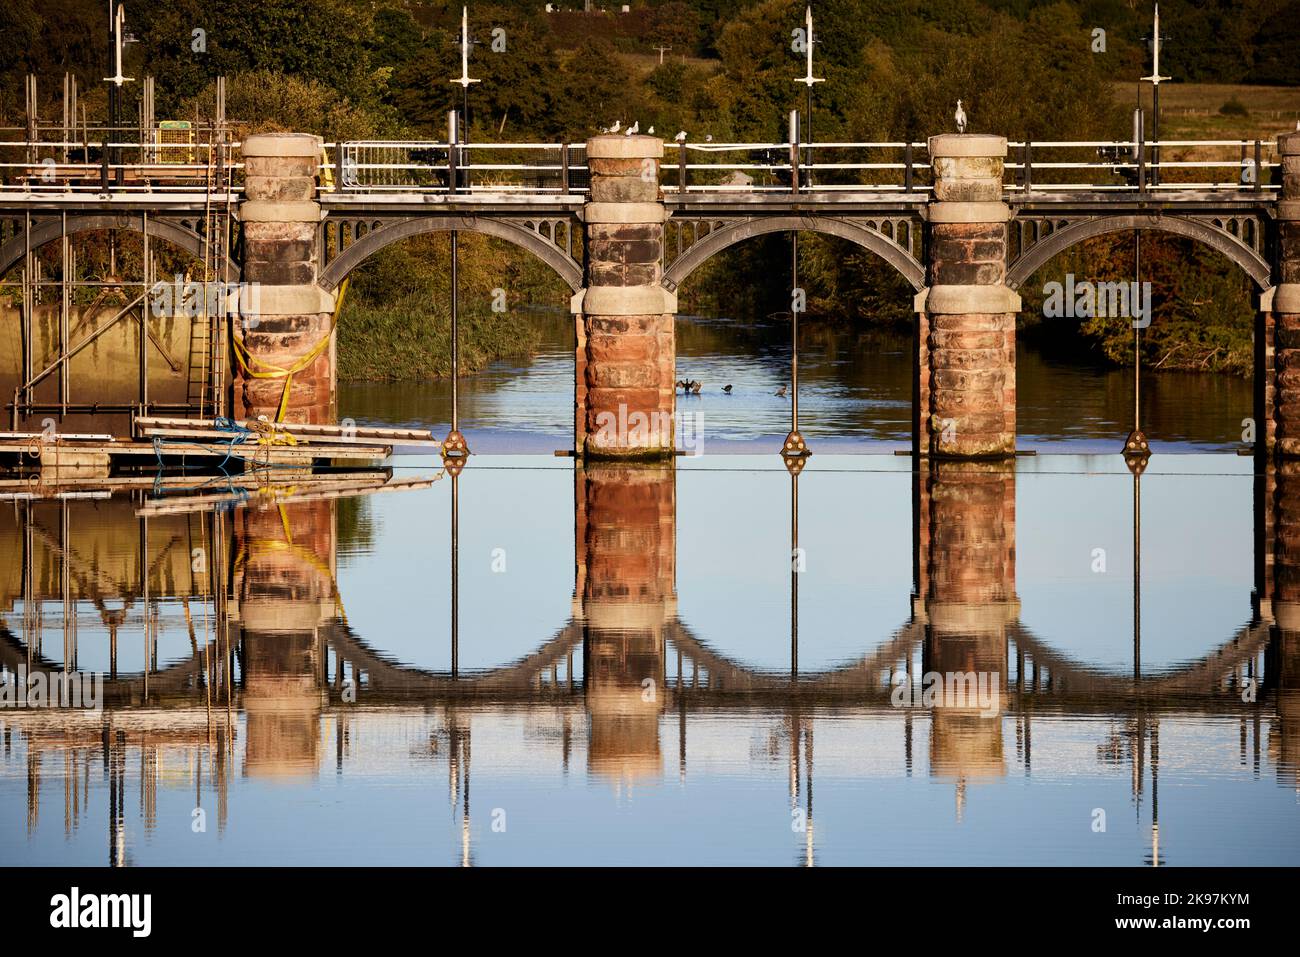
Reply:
x=280, y=661
x=279, y=581
x=964, y=221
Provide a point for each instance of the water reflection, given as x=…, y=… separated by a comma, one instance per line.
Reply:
x=855, y=392
x=231, y=662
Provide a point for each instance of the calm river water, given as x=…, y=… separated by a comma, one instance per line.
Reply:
x=1049, y=661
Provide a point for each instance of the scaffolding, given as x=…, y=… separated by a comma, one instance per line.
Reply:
x=66, y=305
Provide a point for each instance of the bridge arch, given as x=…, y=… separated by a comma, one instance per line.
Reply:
x=48, y=230
x=717, y=240
x=1220, y=240
x=517, y=233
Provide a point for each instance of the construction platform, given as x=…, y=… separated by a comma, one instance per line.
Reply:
x=219, y=445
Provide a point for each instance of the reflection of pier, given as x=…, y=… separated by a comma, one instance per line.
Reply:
x=273, y=660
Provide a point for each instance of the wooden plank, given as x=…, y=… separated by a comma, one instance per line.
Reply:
x=293, y=428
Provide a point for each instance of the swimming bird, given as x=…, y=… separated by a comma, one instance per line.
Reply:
x=727, y=388
x=780, y=392
x=695, y=387
x=960, y=117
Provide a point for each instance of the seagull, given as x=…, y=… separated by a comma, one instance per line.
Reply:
x=709, y=138
x=960, y=117
x=780, y=392
x=615, y=127
x=681, y=136
x=727, y=388
x=651, y=131
x=634, y=128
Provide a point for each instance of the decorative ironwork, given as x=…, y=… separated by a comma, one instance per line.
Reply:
x=347, y=239
x=692, y=238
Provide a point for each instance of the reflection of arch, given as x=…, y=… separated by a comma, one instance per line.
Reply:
x=1197, y=676
x=720, y=239
x=1254, y=265
x=48, y=230
x=513, y=232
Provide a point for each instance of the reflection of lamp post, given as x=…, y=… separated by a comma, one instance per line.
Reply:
x=794, y=463
x=454, y=465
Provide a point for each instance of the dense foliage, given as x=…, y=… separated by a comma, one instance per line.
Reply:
x=894, y=69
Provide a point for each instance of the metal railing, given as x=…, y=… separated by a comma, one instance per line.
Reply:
x=120, y=164
x=395, y=166
x=1127, y=166
x=116, y=161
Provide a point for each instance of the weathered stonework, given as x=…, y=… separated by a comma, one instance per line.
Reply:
x=626, y=547
x=966, y=348
x=966, y=551
x=280, y=222
x=1279, y=390
x=626, y=358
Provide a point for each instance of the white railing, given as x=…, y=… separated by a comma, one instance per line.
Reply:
x=477, y=170
x=72, y=166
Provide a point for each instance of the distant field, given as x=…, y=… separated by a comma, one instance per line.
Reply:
x=645, y=63
x=1191, y=110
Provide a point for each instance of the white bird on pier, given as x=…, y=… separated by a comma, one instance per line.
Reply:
x=681, y=136
x=651, y=131
x=960, y=117
x=709, y=138
x=618, y=124
x=633, y=129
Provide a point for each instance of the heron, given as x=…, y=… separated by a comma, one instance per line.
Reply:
x=960, y=117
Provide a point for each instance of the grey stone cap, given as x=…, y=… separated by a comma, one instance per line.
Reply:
x=949, y=212
x=282, y=144
x=967, y=144
x=618, y=146
x=962, y=300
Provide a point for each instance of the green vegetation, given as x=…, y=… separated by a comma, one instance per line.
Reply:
x=894, y=69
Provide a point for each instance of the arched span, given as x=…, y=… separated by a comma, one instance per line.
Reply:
x=1062, y=239
x=48, y=230
x=716, y=241
x=522, y=236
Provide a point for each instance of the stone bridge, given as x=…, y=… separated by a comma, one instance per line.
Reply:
x=626, y=241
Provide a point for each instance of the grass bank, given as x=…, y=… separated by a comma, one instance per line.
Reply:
x=411, y=339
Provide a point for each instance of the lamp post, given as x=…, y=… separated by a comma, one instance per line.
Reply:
x=454, y=445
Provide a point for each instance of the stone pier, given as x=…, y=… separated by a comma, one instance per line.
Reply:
x=291, y=329
x=626, y=345
x=966, y=337
x=1279, y=392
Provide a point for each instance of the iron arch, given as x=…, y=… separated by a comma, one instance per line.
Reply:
x=1254, y=265
x=376, y=239
x=715, y=242
x=48, y=230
